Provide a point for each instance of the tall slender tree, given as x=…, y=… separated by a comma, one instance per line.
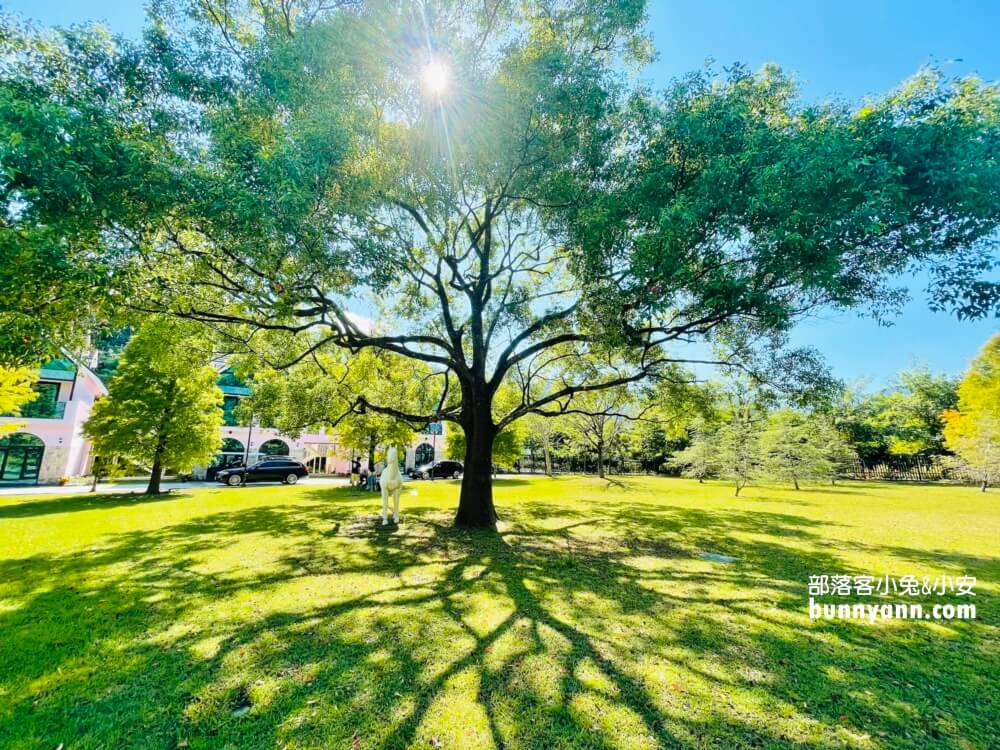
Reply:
x=163, y=407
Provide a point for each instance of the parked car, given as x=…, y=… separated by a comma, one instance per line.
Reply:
x=222, y=462
x=452, y=469
x=284, y=470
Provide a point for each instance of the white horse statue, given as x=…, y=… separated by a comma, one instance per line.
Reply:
x=391, y=482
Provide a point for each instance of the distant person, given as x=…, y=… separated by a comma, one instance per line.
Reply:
x=372, y=484
x=355, y=473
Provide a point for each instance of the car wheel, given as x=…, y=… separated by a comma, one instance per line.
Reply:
x=291, y=479
x=425, y=475
x=234, y=481
x=456, y=475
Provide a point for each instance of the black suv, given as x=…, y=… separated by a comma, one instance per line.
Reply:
x=452, y=469
x=272, y=470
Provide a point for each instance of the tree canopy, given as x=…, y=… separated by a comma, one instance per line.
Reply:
x=163, y=406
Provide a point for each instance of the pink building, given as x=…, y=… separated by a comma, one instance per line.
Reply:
x=49, y=443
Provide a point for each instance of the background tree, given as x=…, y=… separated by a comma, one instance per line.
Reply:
x=702, y=458
x=597, y=419
x=508, y=447
x=901, y=420
x=540, y=431
x=329, y=389
x=371, y=431
x=744, y=412
x=792, y=450
x=835, y=447
x=15, y=391
x=973, y=430
x=163, y=406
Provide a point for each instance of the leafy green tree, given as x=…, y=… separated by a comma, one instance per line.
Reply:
x=370, y=431
x=163, y=406
x=507, y=448
x=540, y=432
x=743, y=415
x=835, y=447
x=903, y=420
x=702, y=458
x=330, y=390
x=533, y=204
x=909, y=416
x=972, y=430
x=597, y=420
x=86, y=169
x=791, y=450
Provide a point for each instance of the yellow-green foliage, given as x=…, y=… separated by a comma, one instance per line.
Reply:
x=15, y=392
x=590, y=621
x=973, y=430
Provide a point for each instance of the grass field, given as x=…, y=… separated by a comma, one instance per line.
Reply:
x=285, y=617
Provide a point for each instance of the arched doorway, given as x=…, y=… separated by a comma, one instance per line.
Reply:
x=21, y=457
x=232, y=445
x=424, y=454
x=274, y=448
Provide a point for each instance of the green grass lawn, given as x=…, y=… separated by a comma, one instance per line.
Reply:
x=285, y=617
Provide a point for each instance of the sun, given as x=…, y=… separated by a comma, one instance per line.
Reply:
x=436, y=77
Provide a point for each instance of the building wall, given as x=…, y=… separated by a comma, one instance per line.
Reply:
x=67, y=451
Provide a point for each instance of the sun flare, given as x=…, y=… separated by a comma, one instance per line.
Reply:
x=436, y=77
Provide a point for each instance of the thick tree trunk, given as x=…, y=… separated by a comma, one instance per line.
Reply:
x=475, y=502
x=153, y=488
x=795, y=481
x=548, y=457
x=600, y=459
x=983, y=485
x=371, y=453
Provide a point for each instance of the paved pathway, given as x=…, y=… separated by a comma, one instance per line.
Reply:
x=137, y=487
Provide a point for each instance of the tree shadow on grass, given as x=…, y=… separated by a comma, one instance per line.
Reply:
x=310, y=625
x=76, y=503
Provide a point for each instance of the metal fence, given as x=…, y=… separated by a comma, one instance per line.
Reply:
x=913, y=469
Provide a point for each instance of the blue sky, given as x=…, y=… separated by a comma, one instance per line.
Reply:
x=844, y=49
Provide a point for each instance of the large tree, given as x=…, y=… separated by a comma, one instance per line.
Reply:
x=486, y=180
x=163, y=407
